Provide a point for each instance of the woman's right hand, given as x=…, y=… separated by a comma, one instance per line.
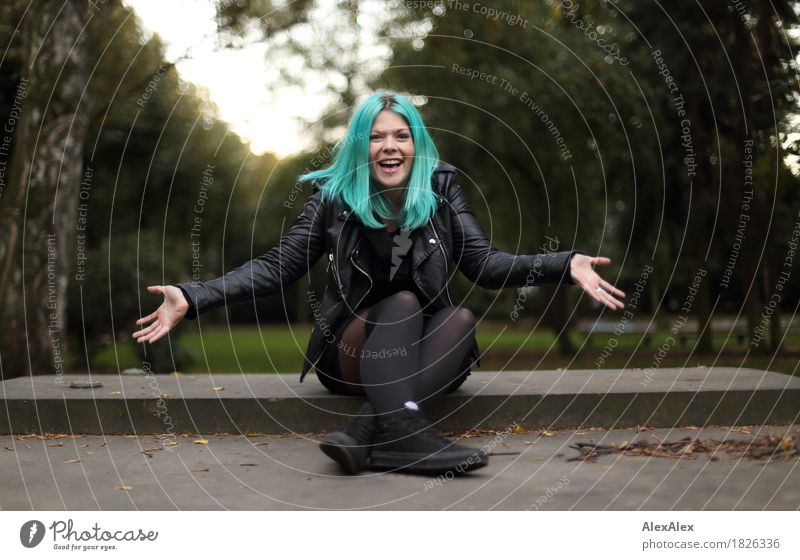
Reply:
x=163, y=319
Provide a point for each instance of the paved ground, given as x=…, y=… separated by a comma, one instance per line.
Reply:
x=272, y=472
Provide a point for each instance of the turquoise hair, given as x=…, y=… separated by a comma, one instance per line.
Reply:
x=348, y=177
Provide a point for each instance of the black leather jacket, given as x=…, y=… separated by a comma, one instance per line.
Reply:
x=451, y=236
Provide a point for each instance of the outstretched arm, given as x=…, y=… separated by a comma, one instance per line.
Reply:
x=280, y=267
x=491, y=268
x=583, y=274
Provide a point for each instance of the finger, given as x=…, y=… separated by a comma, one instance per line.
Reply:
x=148, y=334
x=615, y=303
x=152, y=337
x=611, y=289
x=150, y=317
x=156, y=289
x=605, y=298
x=155, y=326
x=595, y=295
x=600, y=260
x=161, y=332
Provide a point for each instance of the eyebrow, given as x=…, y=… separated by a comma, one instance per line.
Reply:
x=390, y=130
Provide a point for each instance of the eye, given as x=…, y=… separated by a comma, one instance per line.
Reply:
x=404, y=136
x=375, y=137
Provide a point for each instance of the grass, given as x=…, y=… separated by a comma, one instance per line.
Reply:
x=270, y=349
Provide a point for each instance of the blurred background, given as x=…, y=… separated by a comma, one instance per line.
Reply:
x=148, y=142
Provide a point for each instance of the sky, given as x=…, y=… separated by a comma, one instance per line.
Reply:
x=236, y=80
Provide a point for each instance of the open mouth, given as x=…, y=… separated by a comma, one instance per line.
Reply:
x=390, y=166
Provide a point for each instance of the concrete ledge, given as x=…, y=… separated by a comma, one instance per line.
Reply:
x=279, y=403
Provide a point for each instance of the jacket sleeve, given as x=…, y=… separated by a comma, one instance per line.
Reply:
x=278, y=268
x=491, y=268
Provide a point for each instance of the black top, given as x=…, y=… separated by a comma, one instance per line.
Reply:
x=392, y=271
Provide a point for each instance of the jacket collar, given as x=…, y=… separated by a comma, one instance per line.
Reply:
x=348, y=214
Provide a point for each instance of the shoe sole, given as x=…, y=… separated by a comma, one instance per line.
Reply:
x=421, y=463
x=340, y=447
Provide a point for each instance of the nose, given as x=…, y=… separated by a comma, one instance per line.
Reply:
x=389, y=144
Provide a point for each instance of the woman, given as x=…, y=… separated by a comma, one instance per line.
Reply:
x=392, y=219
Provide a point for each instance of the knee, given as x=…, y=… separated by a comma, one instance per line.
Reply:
x=406, y=301
x=464, y=317
x=402, y=306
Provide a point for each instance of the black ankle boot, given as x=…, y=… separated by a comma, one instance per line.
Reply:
x=404, y=440
x=350, y=445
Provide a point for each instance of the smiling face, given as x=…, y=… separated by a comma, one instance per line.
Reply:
x=391, y=150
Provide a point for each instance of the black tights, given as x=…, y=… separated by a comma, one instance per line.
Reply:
x=404, y=358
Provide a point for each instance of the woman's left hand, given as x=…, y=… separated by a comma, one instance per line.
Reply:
x=582, y=273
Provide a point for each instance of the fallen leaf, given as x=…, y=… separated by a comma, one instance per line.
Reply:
x=7, y=448
x=200, y=470
x=545, y=433
x=59, y=444
x=219, y=389
x=72, y=461
x=201, y=441
x=248, y=465
x=175, y=373
x=261, y=443
x=115, y=393
x=517, y=429
x=171, y=443
x=123, y=487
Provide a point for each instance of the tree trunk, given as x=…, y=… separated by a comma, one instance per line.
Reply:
x=38, y=215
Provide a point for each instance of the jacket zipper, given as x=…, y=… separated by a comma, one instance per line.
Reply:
x=446, y=266
x=355, y=264
x=332, y=262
